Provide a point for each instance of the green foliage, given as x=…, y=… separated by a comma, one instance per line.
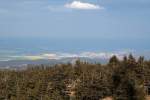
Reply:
x=122, y=80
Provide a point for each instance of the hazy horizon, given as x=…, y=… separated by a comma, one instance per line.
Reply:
x=35, y=27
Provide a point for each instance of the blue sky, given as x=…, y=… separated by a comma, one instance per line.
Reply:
x=114, y=23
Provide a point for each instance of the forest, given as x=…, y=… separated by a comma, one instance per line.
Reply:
x=126, y=79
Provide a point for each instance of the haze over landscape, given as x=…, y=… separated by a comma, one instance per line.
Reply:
x=31, y=29
x=74, y=49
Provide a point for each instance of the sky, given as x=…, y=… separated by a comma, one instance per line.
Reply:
x=120, y=24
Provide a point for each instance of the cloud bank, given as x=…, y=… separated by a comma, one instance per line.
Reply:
x=82, y=5
x=92, y=55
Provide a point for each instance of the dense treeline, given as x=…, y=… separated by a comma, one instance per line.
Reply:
x=119, y=79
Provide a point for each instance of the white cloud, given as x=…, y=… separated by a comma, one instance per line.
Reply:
x=82, y=6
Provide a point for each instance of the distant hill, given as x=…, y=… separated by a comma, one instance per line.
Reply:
x=23, y=63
